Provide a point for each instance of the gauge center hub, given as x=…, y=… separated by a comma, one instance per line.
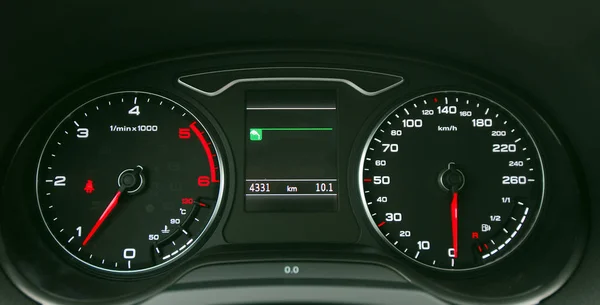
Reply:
x=132, y=180
x=452, y=179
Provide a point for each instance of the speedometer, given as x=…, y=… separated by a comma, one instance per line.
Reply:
x=452, y=180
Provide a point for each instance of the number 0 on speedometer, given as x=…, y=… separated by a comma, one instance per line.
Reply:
x=452, y=180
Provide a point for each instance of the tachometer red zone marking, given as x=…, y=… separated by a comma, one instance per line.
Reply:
x=209, y=154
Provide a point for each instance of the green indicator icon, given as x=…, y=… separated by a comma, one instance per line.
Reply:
x=256, y=134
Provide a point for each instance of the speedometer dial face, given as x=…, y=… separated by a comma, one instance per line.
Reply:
x=452, y=180
x=129, y=182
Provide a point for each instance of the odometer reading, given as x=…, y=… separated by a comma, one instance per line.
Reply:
x=452, y=180
x=129, y=182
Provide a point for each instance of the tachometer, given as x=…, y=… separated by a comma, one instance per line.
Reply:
x=129, y=181
x=452, y=180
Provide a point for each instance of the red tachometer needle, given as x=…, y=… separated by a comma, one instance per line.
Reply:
x=454, y=217
x=109, y=208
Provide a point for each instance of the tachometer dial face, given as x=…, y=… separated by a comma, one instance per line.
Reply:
x=129, y=182
x=452, y=180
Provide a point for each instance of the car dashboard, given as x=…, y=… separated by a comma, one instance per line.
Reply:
x=396, y=168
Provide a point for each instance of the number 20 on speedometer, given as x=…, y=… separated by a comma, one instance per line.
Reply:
x=452, y=180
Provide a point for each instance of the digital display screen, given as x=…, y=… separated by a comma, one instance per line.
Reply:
x=291, y=151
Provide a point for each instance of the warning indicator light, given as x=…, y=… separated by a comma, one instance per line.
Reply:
x=89, y=187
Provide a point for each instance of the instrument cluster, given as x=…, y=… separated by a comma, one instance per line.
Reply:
x=295, y=165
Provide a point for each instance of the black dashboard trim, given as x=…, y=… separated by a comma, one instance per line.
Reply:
x=397, y=80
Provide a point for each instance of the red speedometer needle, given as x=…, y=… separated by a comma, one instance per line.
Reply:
x=113, y=203
x=454, y=217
